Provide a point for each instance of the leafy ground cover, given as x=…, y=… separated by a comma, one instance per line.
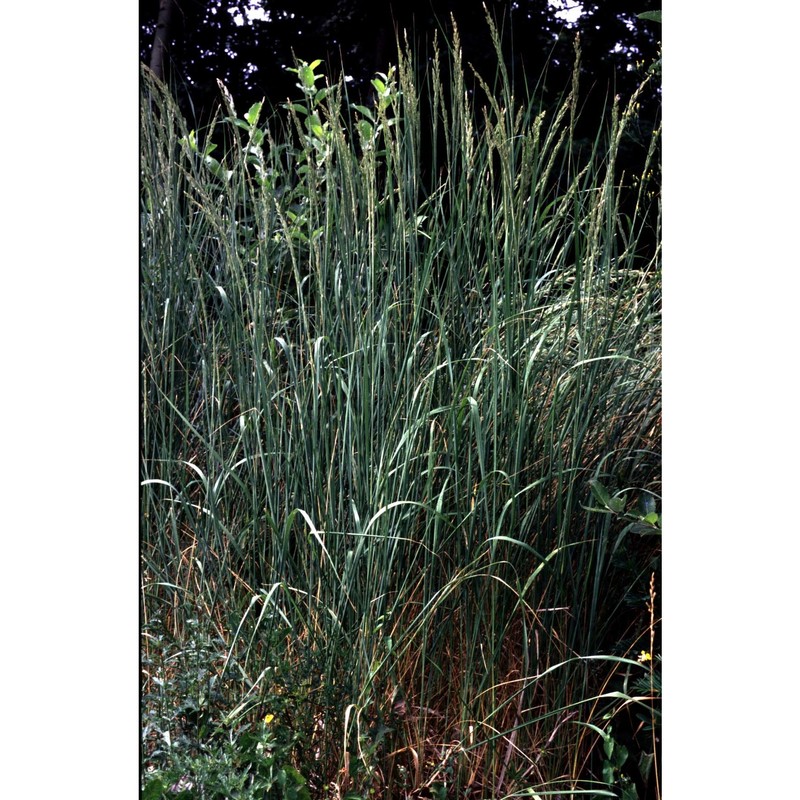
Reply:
x=400, y=446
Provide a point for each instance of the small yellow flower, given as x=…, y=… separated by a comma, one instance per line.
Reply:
x=644, y=656
x=269, y=719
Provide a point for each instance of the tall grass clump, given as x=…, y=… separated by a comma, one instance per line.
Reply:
x=400, y=446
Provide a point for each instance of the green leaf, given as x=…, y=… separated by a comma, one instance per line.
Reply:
x=653, y=16
x=253, y=114
x=645, y=765
x=217, y=169
x=615, y=504
x=190, y=142
x=307, y=76
x=365, y=129
x=291, y=772
x=154, y=789
x=620, y=755
x=630, y=793
x=600, y=492
x=297, y=108
x=438, y=790
x=643, y=529
x=239, y=123
x=365, y=111
x=315, y=126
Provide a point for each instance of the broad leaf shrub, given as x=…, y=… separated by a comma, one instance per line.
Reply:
x=400, y=445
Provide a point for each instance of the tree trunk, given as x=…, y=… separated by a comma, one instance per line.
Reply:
x=162, y=38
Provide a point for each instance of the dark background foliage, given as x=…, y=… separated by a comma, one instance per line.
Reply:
x=212, y=39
